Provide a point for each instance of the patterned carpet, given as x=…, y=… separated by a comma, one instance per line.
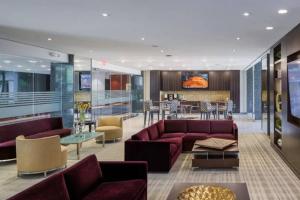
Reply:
x=266, y=175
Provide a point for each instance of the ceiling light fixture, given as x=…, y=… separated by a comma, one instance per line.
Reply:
x=19, y=66
x=32, y=61
x=43, y=66
x=269, y=28
x=6, y=61
x=48, y=69
x=246, y=14
x=238, y=38
x=162, y=51
x=282, y=11
x=28, y=69
x=142, y=38
x=49, y=39
x=105, y=14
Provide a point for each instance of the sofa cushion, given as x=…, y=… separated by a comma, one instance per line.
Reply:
x=82, y=177
x=190, y=138
x=177, y=141
x=172, y=135
x=175, y=126
x=153, y=132
x=198, y=126
x=10, y=143
x=221, y=126
x=173, y=149
x=142, y=135
x=222, y=135
x=61, y=132
x=125, y=190
x=52, y=188
x=161, y=127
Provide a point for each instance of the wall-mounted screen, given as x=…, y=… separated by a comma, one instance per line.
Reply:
x=194, y=80
x=293, y=71
x=85, y=81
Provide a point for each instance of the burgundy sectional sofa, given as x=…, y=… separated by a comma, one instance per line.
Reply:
x=161, y=143
x=30, y=129
x=90, y=180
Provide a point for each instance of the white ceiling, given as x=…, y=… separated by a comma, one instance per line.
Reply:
x=193, y=31
x=22, y=64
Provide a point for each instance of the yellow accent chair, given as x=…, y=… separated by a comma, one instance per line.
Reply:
x=112, y=126
x=40, y=155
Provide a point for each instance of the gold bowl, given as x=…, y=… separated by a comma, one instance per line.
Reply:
x=206, y=192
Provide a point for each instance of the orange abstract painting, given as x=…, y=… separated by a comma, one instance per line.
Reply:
x=194, y=80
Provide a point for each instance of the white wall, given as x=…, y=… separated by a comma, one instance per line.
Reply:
x=243, y=91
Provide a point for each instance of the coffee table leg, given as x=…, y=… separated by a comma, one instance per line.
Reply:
x=77, y=151
x=103, y=140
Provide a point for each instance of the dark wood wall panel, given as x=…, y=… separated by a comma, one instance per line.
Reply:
x=219, y=80
x=235, y=89
x=155, y=85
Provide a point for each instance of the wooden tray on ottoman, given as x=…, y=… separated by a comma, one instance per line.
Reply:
x=215, y=143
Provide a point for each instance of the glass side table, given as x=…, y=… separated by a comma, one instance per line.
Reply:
x=78, y=139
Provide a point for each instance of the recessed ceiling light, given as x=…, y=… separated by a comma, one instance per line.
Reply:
x=105, y=14
x=162, y=51
x=169, y=55
x=269, y=28
x=28, y=69
x=238, y=38
x=49, y=39
x=282, y=11
x=6, y=61
x=19, y=66
x=48, y=69
x=246, y=14
x=32, y=61
x=143, y=38
x=43, y=66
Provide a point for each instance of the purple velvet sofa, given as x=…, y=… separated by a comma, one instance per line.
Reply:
x=89, y=180
x=30, y=129
x=161, y=143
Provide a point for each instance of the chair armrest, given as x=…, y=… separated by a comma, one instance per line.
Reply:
x=156, y=153
x=235, y=131
x=123, y=170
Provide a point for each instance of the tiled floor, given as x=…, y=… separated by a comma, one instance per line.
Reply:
x=266, y=175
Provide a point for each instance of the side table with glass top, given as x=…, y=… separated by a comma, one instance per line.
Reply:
x=78, y=139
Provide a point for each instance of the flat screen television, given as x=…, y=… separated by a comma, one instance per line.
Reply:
x=293, y=77
x=194, y=80
x=85, y=81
